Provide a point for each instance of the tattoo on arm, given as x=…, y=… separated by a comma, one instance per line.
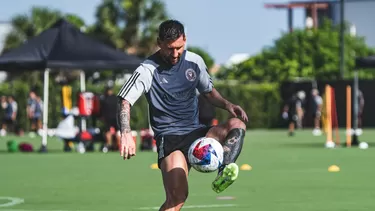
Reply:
x=123, y=116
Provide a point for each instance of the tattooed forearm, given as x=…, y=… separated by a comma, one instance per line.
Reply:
x=123, y=116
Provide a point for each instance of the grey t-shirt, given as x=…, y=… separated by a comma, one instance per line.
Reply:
x=170, y=92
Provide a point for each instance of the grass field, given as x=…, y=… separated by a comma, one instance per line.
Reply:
x=289, y=173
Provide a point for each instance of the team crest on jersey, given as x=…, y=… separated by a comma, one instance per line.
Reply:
x=190, y=74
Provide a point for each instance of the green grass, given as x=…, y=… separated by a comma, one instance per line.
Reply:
x=289, y=173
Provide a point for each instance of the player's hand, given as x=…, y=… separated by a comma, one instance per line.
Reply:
x=127, y=148
x=237, y=111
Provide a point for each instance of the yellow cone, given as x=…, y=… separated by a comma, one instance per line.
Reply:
x=246, y=167
x=154, y=166
x=333, y=168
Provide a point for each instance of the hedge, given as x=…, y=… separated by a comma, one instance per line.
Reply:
x=260, y=101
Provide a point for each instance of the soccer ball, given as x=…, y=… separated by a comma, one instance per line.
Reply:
x=206, y=155
x=363, y=145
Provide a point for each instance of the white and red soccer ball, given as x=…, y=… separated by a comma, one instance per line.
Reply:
x=206, y=155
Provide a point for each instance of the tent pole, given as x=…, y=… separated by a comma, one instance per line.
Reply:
x=83, y=89
x=45, y=110
x=82, y=78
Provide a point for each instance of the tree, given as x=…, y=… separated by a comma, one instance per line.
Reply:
x=130, y=25
x=302, y=54
x=27, y=26
x=204, y=54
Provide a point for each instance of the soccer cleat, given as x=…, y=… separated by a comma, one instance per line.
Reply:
x=225, y=178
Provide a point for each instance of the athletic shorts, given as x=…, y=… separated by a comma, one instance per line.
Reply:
x=111, y=123
x=292, y=117
x=170, y=143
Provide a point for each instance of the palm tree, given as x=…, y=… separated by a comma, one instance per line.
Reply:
x=130, y=25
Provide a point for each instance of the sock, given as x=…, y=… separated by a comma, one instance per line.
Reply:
x=233, y=145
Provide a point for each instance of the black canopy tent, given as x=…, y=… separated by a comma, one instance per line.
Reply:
x=63, y=46
x=360, y=63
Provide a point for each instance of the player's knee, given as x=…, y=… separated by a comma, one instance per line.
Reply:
x=176, y=197
x=236, y=123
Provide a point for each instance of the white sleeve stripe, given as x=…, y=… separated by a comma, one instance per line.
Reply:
x=128, y=85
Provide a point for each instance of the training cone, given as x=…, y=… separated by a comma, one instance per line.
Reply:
x=333, y=168
x=154, y=166
x=246, y=167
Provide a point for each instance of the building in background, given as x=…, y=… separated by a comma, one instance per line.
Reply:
x=359, y=13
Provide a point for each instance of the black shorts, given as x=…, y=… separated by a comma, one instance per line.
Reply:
x=8, y=121
x=170, y=143
x=111, y=123
x=316, y=115
x=292, y=118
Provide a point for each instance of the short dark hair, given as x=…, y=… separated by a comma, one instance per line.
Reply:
x=171, y=30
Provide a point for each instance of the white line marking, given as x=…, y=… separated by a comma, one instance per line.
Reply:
x=12, y=201
x=34, y=210
x=193, y=206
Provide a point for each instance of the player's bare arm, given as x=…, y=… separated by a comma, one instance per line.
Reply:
x=127, y=148
x=217, y=100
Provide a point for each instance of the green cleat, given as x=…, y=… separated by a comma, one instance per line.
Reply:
x=225, y=177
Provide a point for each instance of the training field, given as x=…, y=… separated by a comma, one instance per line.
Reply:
x=288, y=173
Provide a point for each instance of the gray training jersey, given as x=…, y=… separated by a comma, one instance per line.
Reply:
x=170, y=92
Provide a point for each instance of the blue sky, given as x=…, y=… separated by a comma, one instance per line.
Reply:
x=221, y=28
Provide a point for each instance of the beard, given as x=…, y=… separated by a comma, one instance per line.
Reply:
x=170, y=59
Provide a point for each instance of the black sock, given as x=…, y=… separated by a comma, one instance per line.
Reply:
x=233, y=145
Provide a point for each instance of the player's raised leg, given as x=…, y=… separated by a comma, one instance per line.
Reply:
x=231, y=136
x=175, y=172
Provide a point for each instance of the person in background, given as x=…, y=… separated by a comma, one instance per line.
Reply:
x=108, y=108
x=361, y=106
x=38, y=114
x=10, y=116
x=4, y=102
x=4, y=105
x=317, y=106
x=30, y=112
x=293, y=111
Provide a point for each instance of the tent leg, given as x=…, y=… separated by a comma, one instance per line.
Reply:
x=83, y=89
x=43, y=147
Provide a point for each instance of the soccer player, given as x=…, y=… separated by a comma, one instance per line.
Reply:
x=317, y=107
x=169, y=78
x=109, y=103
x=361, y=105
x=293, y=111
